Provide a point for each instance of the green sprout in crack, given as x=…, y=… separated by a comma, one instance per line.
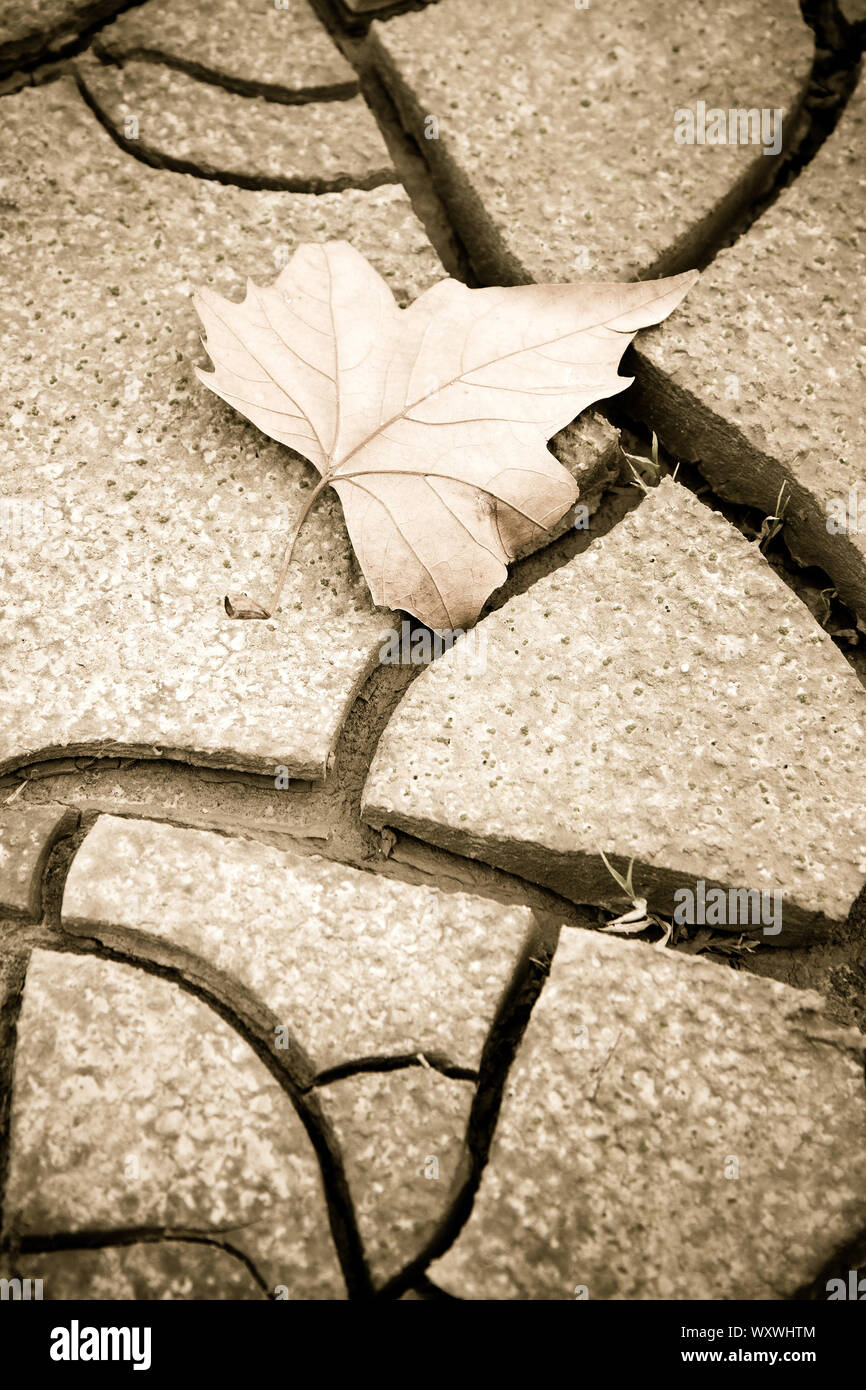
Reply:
x=675, y=935
x=772, y=525
x=646, y=472
x=825, y=606
x=637, y=919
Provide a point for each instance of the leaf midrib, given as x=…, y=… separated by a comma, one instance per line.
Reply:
x=332, y=472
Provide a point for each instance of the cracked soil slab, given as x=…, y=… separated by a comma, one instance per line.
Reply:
x=401, y=1134
x=663, y=696
x=27, y=836
x=137, y=499
x=352, y=964
x=670, y=1130
x=762, y=378
x=32, y=28
x=155, y=1270
x=503, y=96
x=252, y=47
x=166, y=115
x=134, y=1105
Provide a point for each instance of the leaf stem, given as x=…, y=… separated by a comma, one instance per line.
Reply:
x=323, y=482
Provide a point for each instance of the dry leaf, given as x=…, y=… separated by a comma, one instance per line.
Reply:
x=430, y=422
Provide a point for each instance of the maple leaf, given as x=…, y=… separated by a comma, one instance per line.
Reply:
x=431, y=422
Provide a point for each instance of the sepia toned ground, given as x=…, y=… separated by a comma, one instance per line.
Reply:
x=305, y=987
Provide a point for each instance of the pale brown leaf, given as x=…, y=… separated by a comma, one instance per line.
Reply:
x=430, y=422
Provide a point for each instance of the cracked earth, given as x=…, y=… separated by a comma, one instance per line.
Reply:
x=305, y=987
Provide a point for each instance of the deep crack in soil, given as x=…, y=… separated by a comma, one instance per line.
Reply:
x=324, y=818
